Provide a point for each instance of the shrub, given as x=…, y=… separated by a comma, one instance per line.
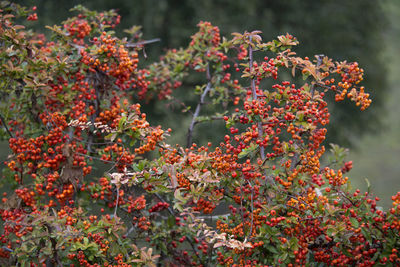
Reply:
x=261, y=197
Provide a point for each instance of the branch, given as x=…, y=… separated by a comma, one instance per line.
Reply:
x=198, y=108
x=5, y=126
x=140, y=43
x=296, y=158
x=254, y=93
x=212, y=118
x=319, y=62
x=169, y=208
x=54, y=247
x=116, y=203
x=252, y=211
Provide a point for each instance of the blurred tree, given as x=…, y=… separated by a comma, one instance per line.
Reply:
x=338, y=28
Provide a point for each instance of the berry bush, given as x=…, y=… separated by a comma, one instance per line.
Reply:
x=90, y=182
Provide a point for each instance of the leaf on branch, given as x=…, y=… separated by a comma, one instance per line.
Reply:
x=248, y=151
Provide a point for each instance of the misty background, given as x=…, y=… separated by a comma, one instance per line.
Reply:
x=367, y=31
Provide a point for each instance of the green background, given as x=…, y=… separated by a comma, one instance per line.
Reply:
x=366, y=31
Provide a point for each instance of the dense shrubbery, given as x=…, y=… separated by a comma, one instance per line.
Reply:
x=260, y=197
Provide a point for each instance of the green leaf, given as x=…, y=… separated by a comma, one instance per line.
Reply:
x=272, y=249
x=330, y=231
x=284, y=256
x=178, y=206
x=121, y=122
x=132, y=142
x=345, y=252
x=300, y=115
x=375, y=257
x=179, y=68
x=111, y=136
x=249, y=150
x=171, y=222
x=293, y=244
x=354, y=222
x=366, y=233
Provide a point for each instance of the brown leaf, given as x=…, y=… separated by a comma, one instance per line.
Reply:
x=13, y=202
x=294, y=70
x=70, y=173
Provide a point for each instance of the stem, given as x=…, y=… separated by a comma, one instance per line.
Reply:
x=198, y=108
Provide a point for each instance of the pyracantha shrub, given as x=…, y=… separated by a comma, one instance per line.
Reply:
x=90, y=182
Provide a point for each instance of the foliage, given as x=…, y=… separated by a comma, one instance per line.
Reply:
x=260, y=197
x=327, y=27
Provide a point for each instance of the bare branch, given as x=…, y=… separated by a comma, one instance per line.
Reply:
x=155, y=40
x=319, y=62
x=198, y=108
x=254, y=94
x=3, y=122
